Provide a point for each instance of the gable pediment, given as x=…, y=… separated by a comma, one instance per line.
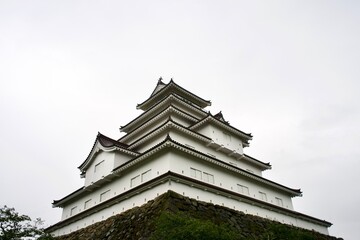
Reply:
x=224, y=126
x=104, y=144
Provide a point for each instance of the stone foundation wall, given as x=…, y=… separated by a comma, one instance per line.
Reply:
x=140, y=222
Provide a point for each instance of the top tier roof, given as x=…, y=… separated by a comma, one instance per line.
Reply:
x=162, y=90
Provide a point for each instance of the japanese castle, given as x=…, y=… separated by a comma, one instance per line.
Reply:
x=175, y=144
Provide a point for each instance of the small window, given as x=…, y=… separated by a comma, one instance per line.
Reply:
x=195, y=173
x=73, y=211
x=227, y=137
x=146, y=176
x=87, y=204
x=243, y=189
x=99, y=166
x=279, y=201
x=189, y=146
x=263, y=196
x=135, y=181
x=104, y=196
x=234, y=164
x=249, y=170
x=207, y=177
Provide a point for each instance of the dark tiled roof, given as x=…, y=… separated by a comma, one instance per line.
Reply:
x=109, y=142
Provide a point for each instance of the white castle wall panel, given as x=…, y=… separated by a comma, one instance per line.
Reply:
x=157, y=166
x=235, y=204
x=101, y=166
x=182, y=163
x=120, y=207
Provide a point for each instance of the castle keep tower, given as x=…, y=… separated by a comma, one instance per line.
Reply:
x=175, y=144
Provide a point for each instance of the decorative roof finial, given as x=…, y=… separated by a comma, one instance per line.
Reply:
x=160, y=81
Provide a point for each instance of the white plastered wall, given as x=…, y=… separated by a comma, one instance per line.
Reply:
x=224, y=178
x=101, y=166
x=158, y=166
x=222, y=137
x=126, y=204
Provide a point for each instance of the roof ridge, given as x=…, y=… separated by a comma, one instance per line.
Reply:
x=170, y=84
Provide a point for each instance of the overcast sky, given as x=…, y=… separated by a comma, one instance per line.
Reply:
x=286, y=71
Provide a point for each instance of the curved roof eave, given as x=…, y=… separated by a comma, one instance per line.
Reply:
x=258, y=162
x=57, y=203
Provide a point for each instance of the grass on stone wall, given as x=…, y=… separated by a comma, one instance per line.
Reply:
x=179, y=226
x=182, y=227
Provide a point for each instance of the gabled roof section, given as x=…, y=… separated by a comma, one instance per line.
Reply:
x=169, y=124
x=162, y=90
x=107, y=143
x=167, y=111
x=141, y=119
x=225, y=125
